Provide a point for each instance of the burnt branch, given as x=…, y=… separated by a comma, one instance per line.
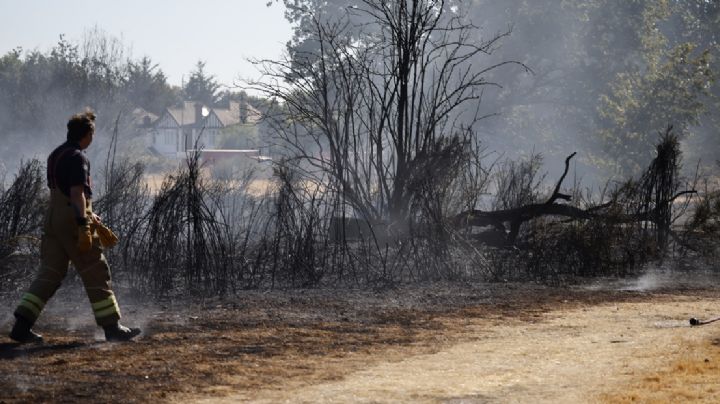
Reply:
x=556, y=193
x=646, y=202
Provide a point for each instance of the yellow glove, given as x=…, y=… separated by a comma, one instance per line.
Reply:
x=107, y=237
x=84, y=238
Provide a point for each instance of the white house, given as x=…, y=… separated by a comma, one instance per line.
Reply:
x=179, y=128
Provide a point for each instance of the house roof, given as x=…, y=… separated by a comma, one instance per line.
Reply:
x=185, y=114
x=252, y=113
x=230, y=116
x=143, y=118
x=237, y=113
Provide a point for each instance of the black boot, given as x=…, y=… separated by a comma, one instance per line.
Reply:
x=22, y=332
x=118, y=332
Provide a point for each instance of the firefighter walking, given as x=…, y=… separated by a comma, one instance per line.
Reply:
x=69, y=235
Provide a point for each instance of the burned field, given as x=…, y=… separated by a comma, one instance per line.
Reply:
x=312, y=345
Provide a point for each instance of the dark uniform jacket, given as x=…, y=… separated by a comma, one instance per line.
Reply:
x=68, y=166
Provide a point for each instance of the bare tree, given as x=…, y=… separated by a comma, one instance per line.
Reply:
x=378, y=102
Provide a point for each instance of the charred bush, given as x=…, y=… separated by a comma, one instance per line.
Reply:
x=432, y=186
x=22, y=210
x=555, y=252
x=701, y=233
x=245, y=214
x=121, y=206
x=181, y=244
x=298, y=231
x=614, y=238
x=518, y=183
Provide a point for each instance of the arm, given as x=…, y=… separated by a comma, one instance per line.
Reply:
x=77, y=201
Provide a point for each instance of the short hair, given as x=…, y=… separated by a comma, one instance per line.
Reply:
x=80, y=124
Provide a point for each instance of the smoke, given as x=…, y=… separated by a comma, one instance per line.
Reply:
x=659, y=277
x=654, y=279
x=139, y=314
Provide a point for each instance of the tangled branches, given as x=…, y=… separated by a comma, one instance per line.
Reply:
x=22, y=209
x=181, y=235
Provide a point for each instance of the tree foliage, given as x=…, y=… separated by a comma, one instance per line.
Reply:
x=673, y=92
x=147, y=86
x=608, y=76
x=201, y=87
x=40, y=90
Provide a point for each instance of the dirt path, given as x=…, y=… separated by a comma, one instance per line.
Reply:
x=437, y=343
x=611, y=352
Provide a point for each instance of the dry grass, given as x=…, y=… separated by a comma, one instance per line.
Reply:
x=692, y=377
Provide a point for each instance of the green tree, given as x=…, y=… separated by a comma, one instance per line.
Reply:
x=201, y=86
x=11, y=70
x=40, y=90
x=640, y=105
x=608, y=76
x=147, y=86
x=697, y=22
x=672, y=81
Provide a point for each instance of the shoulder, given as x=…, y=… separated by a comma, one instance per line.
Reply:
x=77, y=154
x=75, y=158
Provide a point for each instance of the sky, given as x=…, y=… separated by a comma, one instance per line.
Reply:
x=174, y=34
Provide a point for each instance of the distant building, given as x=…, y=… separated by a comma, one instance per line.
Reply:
x=191, y=125
x=143, y=122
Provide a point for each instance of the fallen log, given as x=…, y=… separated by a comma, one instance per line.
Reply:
x=513, y=218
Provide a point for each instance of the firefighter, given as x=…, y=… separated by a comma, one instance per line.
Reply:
x=69, y=236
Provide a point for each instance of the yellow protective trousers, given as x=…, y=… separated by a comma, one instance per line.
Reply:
x=57, y=249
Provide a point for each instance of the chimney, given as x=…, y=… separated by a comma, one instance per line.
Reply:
x=243, y=112
x=243, y=108
x=198, y=113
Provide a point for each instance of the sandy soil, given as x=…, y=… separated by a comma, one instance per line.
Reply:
x=576, y=355
x=447, y=343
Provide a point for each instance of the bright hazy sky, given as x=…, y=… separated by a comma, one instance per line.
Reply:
x=175, y=34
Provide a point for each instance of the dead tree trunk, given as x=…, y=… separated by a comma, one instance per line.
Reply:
x=517, y=216
x=647, y=203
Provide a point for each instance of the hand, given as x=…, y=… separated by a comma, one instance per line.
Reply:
x=95, y=218
x=84, y=238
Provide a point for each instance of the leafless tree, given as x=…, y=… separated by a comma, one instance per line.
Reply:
x=22, y=209
x=379, y=103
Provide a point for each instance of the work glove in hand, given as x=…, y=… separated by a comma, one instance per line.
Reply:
x=84, y=238
x=107, y=237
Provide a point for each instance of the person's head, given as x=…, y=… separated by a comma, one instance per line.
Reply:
x=81, y=128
